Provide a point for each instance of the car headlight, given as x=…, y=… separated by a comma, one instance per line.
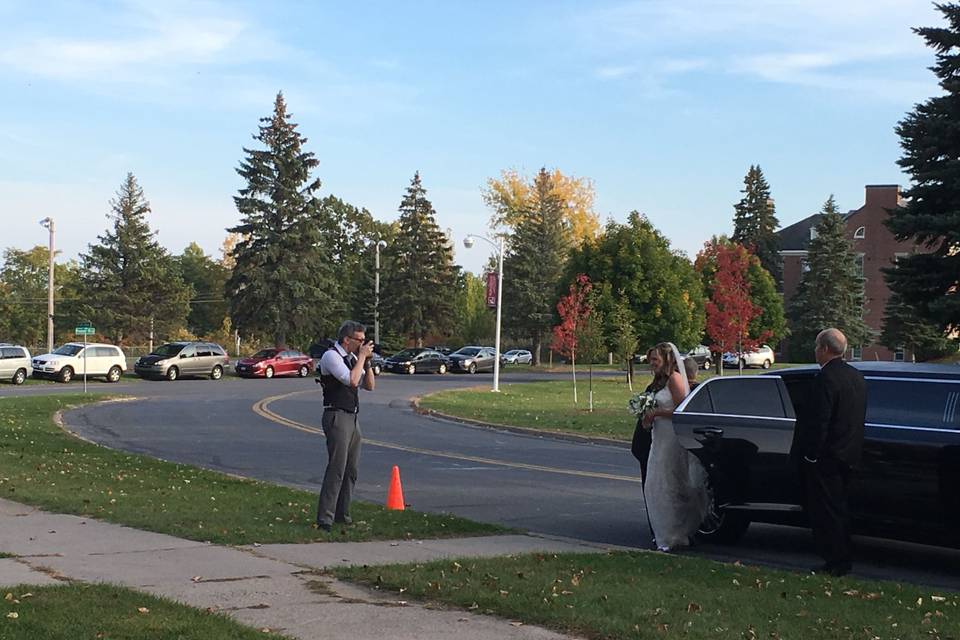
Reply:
x=53, y=363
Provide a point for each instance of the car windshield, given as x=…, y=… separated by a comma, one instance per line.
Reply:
x=168, y=350
x=265, y=353
x=406, y=354
x=69, y=350
x=468, y=351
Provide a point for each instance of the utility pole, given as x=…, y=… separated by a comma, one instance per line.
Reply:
x=376, y=290
x=48, y=224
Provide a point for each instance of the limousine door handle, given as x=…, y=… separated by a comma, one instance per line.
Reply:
x=713, y=432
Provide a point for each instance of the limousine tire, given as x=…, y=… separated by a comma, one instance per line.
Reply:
x=722, y=526
x=66, y=374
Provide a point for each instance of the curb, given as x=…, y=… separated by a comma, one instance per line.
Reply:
x=529, y=431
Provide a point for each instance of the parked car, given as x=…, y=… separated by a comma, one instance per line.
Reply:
x=762, y=357
x=517, y=356
x=443, y=350
x=473, y=359
x=178, y=359
x=14, y=363
x=741, y=428
x=73, y=358
x=269, y=363
x=417, y=360
x=317, y=350
x=701, y=355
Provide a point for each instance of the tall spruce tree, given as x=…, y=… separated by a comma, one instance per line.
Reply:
x=282, y=282
x=127, y=280
x=830, y=293
x=533, y=267
x=902, y=327
x=416, y=299
x=755, y=222
x=929, y=283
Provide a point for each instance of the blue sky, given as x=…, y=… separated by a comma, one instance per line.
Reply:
x=663, y=104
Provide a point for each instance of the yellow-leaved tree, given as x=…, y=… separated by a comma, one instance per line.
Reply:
x=512, y=196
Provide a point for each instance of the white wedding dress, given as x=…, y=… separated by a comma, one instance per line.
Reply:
x=676, y=487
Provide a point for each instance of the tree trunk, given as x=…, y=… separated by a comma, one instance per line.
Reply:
x=537, y=345
x=573, y=362
x=590, y=376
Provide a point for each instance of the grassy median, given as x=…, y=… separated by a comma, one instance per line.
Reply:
x=43, y=466
x=114, y=613
x=653, y=595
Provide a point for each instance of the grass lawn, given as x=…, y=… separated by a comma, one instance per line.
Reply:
x=43, y=466
x=115, y=613
x=549, y=405
x=652, y=595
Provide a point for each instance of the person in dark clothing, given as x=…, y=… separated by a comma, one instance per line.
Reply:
x=344, y=369
x=642, y=439
x=827, y=445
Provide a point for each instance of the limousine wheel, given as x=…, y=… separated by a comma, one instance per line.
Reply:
x=66, y=374
x=114, y=374
x=721, y=525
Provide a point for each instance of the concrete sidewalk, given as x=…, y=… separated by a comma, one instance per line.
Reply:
x=273, y=587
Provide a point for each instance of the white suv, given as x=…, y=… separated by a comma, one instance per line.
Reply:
x=14, y=363
x=68, y=361
x=762, y=357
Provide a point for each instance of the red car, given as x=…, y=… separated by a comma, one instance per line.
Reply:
x=268, y=363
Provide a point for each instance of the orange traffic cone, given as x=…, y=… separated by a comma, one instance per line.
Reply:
x=395, y=492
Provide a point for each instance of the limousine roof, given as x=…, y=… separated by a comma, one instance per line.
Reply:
x=888, y=370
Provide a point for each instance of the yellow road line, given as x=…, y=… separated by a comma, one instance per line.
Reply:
x=261, y=408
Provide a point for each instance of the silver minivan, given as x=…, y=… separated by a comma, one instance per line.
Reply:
x=14, y=363
x=177, y=359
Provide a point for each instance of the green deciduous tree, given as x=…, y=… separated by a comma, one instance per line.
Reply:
x=127, y=280
x=536, y=253
x=755, y=222
x=929, y=283
x=282, y=283
x=474, y=320
x=23, y=296
x=658, y=285
x=830, y=293
x=416, y=299
x=207, y=277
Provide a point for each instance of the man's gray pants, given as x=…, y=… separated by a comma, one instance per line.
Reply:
x=342, y=431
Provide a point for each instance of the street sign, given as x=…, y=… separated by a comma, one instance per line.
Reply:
x=84, y=331
x=491, y=294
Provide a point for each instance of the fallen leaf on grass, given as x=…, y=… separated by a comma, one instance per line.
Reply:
x=13, y=615
x=693, y=607
x=143, y=610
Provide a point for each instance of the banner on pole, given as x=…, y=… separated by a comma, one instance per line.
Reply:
x=492, y=290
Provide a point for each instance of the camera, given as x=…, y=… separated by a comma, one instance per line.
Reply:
x=377, y=349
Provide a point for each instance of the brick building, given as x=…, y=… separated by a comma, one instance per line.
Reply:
x=875, y=248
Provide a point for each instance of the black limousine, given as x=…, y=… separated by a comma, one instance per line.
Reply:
x=908, y=483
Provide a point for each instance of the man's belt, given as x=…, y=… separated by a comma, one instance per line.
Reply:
x=328, y=408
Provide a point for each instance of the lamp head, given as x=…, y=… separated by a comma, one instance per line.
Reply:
x=46, y=222
x=382, y=243
x=468, y=242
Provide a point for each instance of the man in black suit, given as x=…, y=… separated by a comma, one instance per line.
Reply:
x=827, y=445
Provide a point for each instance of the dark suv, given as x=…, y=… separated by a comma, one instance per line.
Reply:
x=908, y=483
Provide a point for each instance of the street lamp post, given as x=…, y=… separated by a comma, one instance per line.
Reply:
x=376, y=290
x=468, y=243
x=48, y=224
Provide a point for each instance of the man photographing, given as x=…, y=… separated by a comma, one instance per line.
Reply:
x=344, y=368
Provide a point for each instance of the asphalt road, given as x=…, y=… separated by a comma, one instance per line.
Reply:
x=269, y=429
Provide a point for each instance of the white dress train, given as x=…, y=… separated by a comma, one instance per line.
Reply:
x=676, y=488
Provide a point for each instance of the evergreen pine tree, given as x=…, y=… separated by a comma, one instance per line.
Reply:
x=282, y=283
x=416, y=298
x=755, y=222
x=830, y=293
x=902, y=327
x=536, y=255
x=128, y=278
x=929, y=283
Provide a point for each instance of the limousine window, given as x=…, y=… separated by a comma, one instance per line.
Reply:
x=746, y=397
x=917, y=403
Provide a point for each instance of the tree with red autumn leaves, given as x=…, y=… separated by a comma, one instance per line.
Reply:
x=730, y=309
x=574, y=310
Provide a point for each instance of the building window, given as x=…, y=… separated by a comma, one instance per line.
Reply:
x=897, y=257
x=856, y=353
x=861, y=232
x=813, y=233
x=804, y=266
x=898, y=355
x=858, y=262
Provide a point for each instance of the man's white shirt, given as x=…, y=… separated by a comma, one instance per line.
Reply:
x=331, y=363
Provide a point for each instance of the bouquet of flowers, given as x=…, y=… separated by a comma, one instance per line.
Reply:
x=642, y=403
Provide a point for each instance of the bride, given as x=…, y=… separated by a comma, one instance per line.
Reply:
x=676, y=488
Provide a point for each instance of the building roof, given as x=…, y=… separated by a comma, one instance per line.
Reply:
x=796, y=237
